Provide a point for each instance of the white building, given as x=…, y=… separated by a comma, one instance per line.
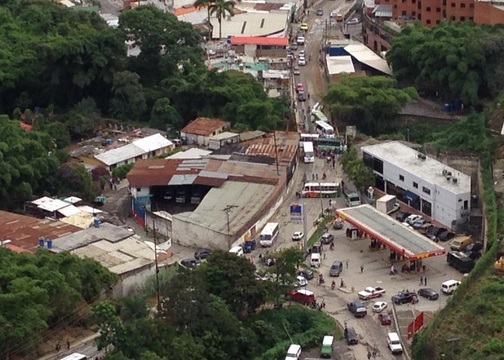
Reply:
x=435, y=189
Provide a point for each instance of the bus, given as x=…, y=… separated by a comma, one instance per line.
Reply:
x=352, y=198
x=317, y=190
x=317, y=115
x=324, y=129
x=308, y=153
x=335, y=144
x=308, y=137
x=268, y=234
x=75, y=356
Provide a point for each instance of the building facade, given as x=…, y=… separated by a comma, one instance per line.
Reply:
x=199, y=131
x=433, y=188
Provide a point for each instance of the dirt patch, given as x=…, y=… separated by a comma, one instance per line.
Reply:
x=70, y=334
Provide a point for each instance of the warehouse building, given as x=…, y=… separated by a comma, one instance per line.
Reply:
x=426, y=184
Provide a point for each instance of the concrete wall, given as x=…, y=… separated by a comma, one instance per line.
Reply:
x=132, y=282
x=192, y=235
x=163, y=226
x=140, y=192
x=488, y=14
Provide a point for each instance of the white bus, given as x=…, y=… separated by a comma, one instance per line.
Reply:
x=308, y=137
x=324, y=129
x=308, y=153
x=317, y=190
x=75, y=356
x=268, y=234
x=317, y=115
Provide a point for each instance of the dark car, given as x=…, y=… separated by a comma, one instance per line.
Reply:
x=249, y=246
x=404, y=297
x=327, y=238
x=294, y=46
x=301, y=96
x=202, y=254
x=351, y=336
x=320, y=12
x=336, y=268
x=402, y=216
x=189, y=263
x=307, y=274
x=338, y=224
x=446, y=235
x=473, y=248
x=433, y=232
x=428, y=293
x=385, y=318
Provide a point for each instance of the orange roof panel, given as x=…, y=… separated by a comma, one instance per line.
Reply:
x=259, y=40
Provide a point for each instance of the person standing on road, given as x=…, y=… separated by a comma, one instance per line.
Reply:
x=425, y=281
x=369, y=355
x=421, y=280
x=361, y=269
x=346, y=262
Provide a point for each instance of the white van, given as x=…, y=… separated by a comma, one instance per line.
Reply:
x=315, y=260
x=449, y=286
x=294, y=352
x=394, y=343
x=237, y=250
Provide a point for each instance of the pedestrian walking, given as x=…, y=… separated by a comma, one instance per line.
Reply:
x=324, y=255
x=374, y=354
x=58, y=347
x=421, y=280
x=333, y=163
x=361, y=269
x=369, y=355
x=313, y=176
x=68, y=344
x=316, y=176
x=425, y=281
x=346, y=262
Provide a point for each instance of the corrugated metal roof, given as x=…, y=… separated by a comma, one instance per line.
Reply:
x=72, y=199
x=153, y=172
x=153, y=142
x=184, y=179
x=259, y=40
x=207, y=181
x=339, y=65
x=224, y=135
x=47, y=204
x=69, y=210
x=192, y=153
x=383, y=10
x=203, y=126
x=364, y=55
x=213, y=174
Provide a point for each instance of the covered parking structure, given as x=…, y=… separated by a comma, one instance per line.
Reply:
x=404, y=242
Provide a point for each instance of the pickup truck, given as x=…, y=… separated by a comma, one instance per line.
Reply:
x=371, y=293
x=357, y=308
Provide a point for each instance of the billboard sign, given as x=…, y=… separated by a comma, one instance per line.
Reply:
x=415, y=325
x=296, y=212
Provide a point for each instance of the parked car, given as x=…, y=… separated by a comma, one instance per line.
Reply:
x=300, y=281
x=421, y=224
x=304, y=27
x=357, y=308
x=351, y=336
x=474, y=247
x=385, y=318
x=202, y=253
x=297, y=236
x=394, y=343
x=301, y=61
x=302, y=53
x=413, y=219
x=320, y=12
x=296, y=70
x=379, y=306
x=402, y=216
x=301, y=96
x=300, y=40
x=404, y=297
x=433, y=232
x=338, y=224
x=336, y=268
x=446, y=236
x=371, y=293
x=428, y=293
x=306, y=273
x=327, y=238
x=237, y=250
x=333, y=14
x=353, y=21
x=299, y=87
x=249, y=246
x=302, y=296
x=190, y=263
x=293, y=46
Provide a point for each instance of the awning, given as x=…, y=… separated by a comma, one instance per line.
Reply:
x=411, y=196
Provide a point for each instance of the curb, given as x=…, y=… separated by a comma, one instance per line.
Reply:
x=398, y=330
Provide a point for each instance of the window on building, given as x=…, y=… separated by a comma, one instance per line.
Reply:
x=419, y=17
x=415, y=185
x=139, y=189
x=401, y=177
x=425, y=190
x=367, y=160
x=437, y=22
x=413, y=13
x=452, y=5
x=471, y=6
x=466, y=204
x=438, y=9
x=462, y=18
x=444, y=2
x=378, y=165
x=404, y=13
x=413, y=1
x=428, y=9
x=428, y=22
x=462, y=5
x=471, y=18
x=395, y=6
x=426, y=208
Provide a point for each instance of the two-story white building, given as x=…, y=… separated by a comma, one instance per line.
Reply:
x=435, y=189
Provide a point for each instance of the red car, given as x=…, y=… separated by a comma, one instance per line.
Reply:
x=302, y=296
x=385, y=318
x=299, y=87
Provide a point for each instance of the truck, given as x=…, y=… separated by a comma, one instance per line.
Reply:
x=387, y=204
x=371, y=293
x=460, y=261
x=357, y=309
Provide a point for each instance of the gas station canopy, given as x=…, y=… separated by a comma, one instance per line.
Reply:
x=404, y=241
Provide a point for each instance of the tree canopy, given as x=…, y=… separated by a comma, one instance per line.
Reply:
x=456, y=60
x=42, y=290
x=367, y=102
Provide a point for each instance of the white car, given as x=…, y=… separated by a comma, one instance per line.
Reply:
x=353, y=21
x=413, y=219
x=296, y=70
x=302, y=53
x=302, y=61
x=300, y=40
x=379, y=306
x=298, y=235
x=300, y=281
x=333, y=14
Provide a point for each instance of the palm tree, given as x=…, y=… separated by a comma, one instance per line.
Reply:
x=200, y=4
x=220, y=8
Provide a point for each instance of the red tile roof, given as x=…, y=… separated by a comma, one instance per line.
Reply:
x=186, y=10
x=24, y=231
x=203, y=126
x=153, y=172
x=25, y=126
x=259, y=40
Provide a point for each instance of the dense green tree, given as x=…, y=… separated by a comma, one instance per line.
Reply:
x=164, y=116
x=221, y=8
x=233, y=279
x=358, y=173
x=74, y=178
x=129, y=99
x=109, y=325
x=454, y=60
x=368, y=102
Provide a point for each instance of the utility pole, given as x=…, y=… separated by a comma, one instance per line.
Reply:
x=157, y=267
x=227, y=210
x=276, y=153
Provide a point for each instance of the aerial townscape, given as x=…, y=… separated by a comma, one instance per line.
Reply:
x=251, y=179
